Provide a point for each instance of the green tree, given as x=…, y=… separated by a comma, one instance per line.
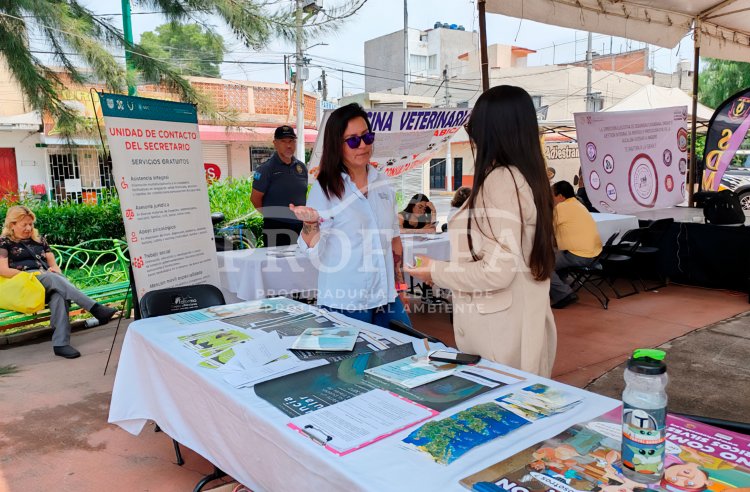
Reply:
x=720, y=79
x=186, y=46
x=85, y=43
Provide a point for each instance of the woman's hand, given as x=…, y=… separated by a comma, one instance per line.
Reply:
x=305, y=214
x=421, y=272
x=55, y=269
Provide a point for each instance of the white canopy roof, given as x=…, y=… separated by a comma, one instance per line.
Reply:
x=723, y=26
x=651, y=97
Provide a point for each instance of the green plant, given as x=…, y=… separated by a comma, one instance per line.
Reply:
x=232, y=198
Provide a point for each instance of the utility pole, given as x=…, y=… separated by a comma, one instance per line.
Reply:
x=342, y=82
x=589, y=69
x=127, y=30
x=484, y=60
x=299, y=81
x=448, y=157
x=325, y=85
x=406, y=48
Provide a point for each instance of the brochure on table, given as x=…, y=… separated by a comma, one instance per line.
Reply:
x=586, y=457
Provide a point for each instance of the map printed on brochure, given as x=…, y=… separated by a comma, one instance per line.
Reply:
x=448, y=439
x=413, y=371
x=327, y=339
x=586, y=457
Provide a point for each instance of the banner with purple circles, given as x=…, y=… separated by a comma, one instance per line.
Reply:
x=634, y=160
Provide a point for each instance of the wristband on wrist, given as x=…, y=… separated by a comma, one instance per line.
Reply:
x=401, y=287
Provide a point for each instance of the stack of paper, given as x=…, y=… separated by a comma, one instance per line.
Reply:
x=413, y=371
x=327, y=339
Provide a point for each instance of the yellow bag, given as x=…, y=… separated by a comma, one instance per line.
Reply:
x=23, y=293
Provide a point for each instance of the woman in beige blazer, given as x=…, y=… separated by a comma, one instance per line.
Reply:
x=502, y=240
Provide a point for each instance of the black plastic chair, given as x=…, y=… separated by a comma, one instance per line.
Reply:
x=172, y=300
x=591, y=276
x=644, y=246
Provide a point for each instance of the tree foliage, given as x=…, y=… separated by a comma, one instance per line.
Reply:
x=720, y=79
x=190, y=48
x=86, y=44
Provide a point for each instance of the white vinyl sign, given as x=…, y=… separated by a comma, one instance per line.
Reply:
x=404, y=138
x=158, y=167
x=633, y=160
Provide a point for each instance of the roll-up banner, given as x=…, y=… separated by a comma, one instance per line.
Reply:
x=634, y=160
x=158, y=168
x=726, y=131
x=404, y=138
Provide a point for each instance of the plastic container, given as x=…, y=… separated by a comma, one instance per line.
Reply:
x=644, y=416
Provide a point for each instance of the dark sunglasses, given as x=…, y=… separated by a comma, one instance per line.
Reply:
x=353, y=142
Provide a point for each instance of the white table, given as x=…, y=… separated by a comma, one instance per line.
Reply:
x=266, y=272
x=247, y=437
x=608, y=224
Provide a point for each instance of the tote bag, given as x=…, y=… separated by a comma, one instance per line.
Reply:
x=23, y=293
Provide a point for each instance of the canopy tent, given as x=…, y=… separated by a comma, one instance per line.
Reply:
x=652, y=97
x=721, y=28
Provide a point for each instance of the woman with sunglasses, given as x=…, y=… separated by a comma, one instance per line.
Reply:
x=501, y=240
x=350, y=225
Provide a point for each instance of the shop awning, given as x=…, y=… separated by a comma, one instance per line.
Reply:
x=214, y=133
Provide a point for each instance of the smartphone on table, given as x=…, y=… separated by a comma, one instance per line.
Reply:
x=454, y=357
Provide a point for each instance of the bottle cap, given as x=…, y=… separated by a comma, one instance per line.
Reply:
x=647, y=361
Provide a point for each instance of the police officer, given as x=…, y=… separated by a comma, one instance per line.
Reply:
x=279, y=181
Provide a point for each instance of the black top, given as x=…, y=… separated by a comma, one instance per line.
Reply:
x=26, y=254
x=281, y=184
x=423, y=221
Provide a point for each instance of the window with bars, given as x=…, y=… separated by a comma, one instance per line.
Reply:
x=78, y=175
x=259, y=155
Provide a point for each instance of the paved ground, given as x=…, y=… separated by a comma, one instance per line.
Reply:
x=54, y=433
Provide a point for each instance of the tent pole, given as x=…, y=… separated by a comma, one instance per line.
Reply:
x=693, y=157
x=483, y=45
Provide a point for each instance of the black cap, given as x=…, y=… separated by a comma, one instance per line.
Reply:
x=647, y=365
x=285, y=131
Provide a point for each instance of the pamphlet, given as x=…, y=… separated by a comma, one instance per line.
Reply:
x=448, y=439
x=357, y=422
x=413, y=371
x=327, y=339
x=586, y=457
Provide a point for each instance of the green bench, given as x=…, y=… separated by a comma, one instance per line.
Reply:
x=98, y=267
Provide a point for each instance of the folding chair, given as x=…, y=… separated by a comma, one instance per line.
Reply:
x=644, y=246
x=591, y=276
x=176, y=300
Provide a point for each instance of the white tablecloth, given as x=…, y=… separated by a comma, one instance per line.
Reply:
x=608, y=224
x=159, y=379
x=266, y=272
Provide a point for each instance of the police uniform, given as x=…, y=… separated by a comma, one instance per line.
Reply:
x=281, y=184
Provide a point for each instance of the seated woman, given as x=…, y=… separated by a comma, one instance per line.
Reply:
x=419, y=216
x=22, y=249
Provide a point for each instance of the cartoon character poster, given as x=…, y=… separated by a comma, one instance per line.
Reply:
x=634, y=160
x=586, y=457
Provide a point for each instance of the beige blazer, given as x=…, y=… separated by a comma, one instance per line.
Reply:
x=500, y=311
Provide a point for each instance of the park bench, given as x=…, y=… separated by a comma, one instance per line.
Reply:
x=98, y=267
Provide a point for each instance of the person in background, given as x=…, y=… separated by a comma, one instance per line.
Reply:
x=578, y=240
x=279, y=181
x=581, y=194
x=502, y=254
x=22, y=249
x=459, y=198
x=419, y=216
x=350, y=226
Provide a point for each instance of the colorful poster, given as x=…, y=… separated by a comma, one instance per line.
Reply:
x=634, y=160
x=726, y=131
x=158, y=167
x=404, y=138
x=587, y=457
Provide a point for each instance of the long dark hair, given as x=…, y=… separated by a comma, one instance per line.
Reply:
x=419, y=197
x=332, y=157
x=504, y=133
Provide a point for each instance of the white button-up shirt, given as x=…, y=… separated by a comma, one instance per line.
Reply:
x=354, y=255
